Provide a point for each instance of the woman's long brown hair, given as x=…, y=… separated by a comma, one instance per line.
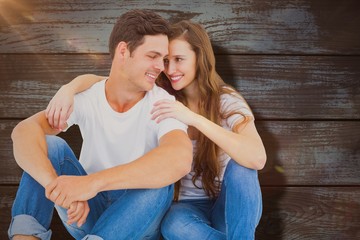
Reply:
x=210, y=85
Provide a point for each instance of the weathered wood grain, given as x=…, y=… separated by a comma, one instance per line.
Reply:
x=310, y=213
x=276, y=87
x=276, y=27
x=311, y=152
x=297, y=62
x=299, y=152
x=296, y=87
x=289, y=213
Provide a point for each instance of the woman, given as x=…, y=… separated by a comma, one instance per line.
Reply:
x=220, y=198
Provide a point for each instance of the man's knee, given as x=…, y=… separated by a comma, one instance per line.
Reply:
x=58, y=152
x=162, y=196
x=55, y=143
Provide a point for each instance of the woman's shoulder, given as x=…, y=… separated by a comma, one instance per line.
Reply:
x=232, y=100
x=229, y=94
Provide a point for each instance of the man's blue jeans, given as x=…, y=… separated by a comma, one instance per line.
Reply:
x=233, y=215
x=120, y=214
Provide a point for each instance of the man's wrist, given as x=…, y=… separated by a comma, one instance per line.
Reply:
x=97, y=182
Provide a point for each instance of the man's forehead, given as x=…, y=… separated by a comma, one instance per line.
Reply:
x=157, y=44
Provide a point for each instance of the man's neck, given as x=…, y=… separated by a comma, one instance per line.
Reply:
x=121, y=97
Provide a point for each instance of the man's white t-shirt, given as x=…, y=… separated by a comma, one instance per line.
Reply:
x=228, y=103
x=111, y=138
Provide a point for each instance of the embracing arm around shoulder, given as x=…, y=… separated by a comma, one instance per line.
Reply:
x=243, y=144
x=61, y=105
x=30, y=149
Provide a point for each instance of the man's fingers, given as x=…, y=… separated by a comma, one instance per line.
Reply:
x=82, y=220
x=49, y=189
x=80, y=214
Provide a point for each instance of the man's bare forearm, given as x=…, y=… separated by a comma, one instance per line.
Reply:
x=30, y=149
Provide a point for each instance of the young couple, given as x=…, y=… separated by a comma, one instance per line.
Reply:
x=136, y=144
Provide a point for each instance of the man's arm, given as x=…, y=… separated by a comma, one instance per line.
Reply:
x=30, y=149
x=162, y=166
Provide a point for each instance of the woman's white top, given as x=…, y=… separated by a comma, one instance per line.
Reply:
x=228, y=103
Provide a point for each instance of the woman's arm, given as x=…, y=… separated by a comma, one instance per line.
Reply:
x=243, y=144
x=61, y=105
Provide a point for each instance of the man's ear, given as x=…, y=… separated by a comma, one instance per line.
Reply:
x=122, y=50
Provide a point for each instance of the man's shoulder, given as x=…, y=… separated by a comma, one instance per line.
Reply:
x=94, y=89
x=157, y=93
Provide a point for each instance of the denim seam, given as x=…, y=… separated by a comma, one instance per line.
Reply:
x=147, y=223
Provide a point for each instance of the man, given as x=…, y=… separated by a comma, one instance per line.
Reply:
x=128, y=161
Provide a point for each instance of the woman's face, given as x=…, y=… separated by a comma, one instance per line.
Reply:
x=180, y=65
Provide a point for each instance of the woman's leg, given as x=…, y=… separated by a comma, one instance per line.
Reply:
x=32, y=211
x=237, y=211
x=133, y=214
x=190, y=220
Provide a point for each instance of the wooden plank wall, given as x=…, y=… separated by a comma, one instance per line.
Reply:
x=297, y=62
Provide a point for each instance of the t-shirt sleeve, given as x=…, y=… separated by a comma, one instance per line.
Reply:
x=74, y=116
x=236, y=104
x=169, y=124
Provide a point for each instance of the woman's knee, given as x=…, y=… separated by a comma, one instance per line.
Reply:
x=184, y=220
x=235, y=174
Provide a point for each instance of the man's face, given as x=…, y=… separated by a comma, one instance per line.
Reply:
x=146, y=62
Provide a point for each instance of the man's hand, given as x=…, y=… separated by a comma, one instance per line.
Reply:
x=65, y=190
x=78, y=212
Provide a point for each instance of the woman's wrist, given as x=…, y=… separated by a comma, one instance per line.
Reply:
x=196, y=120
x=68, y=89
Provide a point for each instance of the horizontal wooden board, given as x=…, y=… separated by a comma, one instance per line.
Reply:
x=288, y=213
x=276, y=87
x=299, y=152
x=310, y=152
x=296, y=87
x=242, y=26
x=310, y=213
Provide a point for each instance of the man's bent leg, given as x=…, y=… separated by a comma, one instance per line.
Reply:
x=69, y=165
x=32, y=211
x=136, y=214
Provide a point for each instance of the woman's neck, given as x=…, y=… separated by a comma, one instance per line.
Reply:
x=192, y=97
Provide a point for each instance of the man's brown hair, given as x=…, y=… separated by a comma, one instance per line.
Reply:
x=132, y=26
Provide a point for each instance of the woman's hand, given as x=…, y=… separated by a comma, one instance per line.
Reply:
x=172, y=109
x=60, y=107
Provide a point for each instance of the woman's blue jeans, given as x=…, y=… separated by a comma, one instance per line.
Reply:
x=120, y=214
x=233, y=215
